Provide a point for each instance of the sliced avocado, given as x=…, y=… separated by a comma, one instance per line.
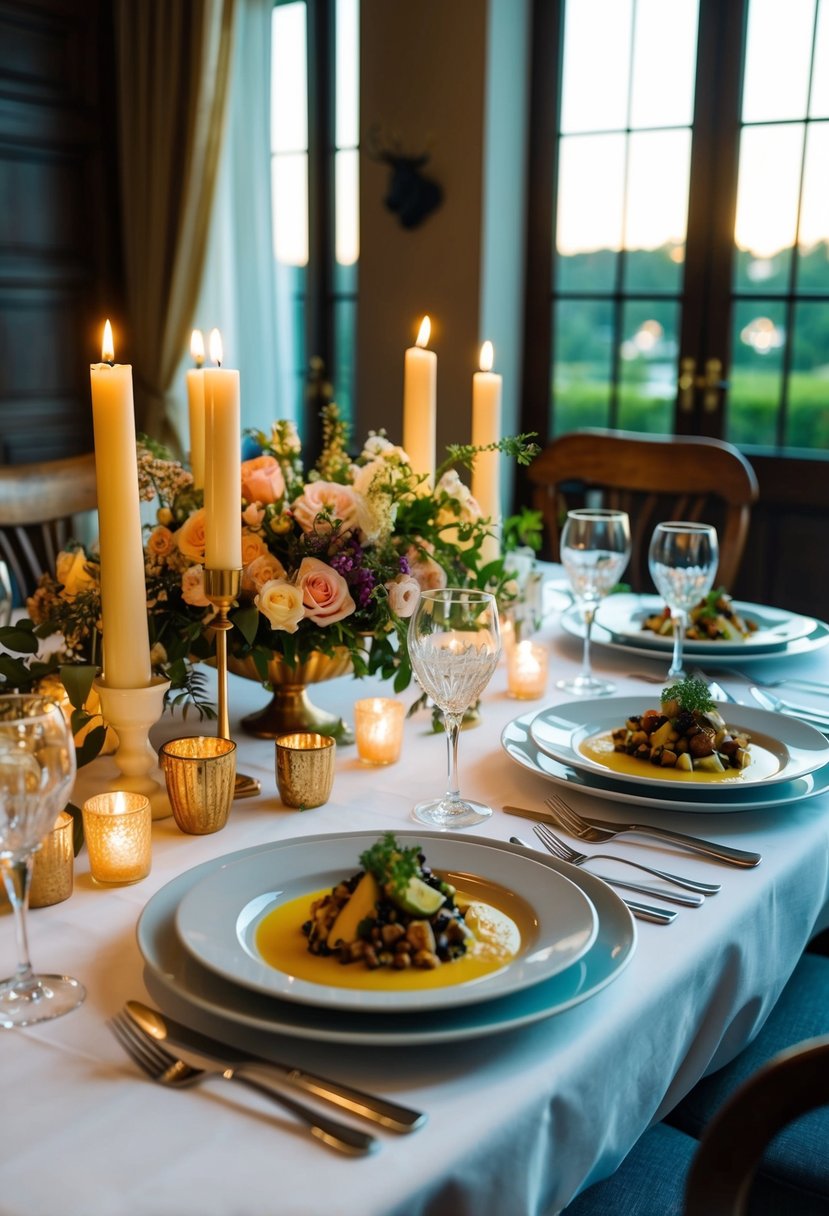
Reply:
x=418, y=898
x=710, y=764
x=361, y=904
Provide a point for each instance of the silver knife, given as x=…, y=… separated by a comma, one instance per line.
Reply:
x=389, y=1114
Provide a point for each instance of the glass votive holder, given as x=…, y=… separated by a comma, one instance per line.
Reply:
x=200, y=773
x=54, y=865
x=378, y=729
x=118, y=832
x=305, y=768
x=527, y=670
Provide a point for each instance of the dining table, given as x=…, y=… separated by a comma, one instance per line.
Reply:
x=524, y=1110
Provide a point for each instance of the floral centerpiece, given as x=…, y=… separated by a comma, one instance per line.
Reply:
x=334, y=558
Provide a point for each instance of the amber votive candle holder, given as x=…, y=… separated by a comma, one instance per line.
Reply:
x=54, y=865
x=527, y=664
x=305, y=768
x=118, y=832
x=378, y=729
x=200, y=772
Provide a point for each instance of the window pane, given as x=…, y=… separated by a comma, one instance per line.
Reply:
x=289, y=83
x=290, y=209
x=590, y=197
x=657, y=206
x=583, y=349
x=347, y=207
x=664, y=63
x=808, y=417
x=778, y=55
x=345, y=338
x=813, y=269
x=347, y=80
x=767, y=193
x=756, y=379
x=596, y=69
x=819, y=107
x=647, y=389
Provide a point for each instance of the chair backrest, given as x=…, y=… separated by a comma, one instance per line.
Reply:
x=654, y=478
x=37, y=506
x=789, y=1085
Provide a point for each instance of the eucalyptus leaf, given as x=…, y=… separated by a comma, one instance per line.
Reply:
x=77, y=680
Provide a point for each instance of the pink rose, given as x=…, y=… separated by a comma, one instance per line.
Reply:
x=262, y=480
x=253, y=515
x=426, y=572
x=192, y=588
x=190, y=536
x=340, y=502
x=404, y=592
x=325, y=593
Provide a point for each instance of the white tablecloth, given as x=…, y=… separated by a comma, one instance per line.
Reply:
x=518, y=1122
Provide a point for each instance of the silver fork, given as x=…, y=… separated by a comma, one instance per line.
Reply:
x=170, y=1070
x=556, y=845
x=597, y=830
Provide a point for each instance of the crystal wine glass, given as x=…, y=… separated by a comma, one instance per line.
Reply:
x=595, y=549
x=37, y=768
x=683, y=561
x=454, y=646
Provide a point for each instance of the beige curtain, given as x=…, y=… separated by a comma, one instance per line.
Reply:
x=173, y=65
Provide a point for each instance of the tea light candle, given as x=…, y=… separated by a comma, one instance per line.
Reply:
x=527, y=670
x=117, y=827
x=53, y=866
x=378, y=729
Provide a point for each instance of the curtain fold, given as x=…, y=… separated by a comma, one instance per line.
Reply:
x=173, y=61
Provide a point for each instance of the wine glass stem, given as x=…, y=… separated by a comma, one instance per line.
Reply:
x=588, y=614
x=17, y=877
x=679, y=619
x=452, y=723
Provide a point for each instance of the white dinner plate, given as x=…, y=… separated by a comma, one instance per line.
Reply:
x=624, y=615
x=519, y=745
x=573, y=623
x=797, y=747
x=218, y=919
x=197, y=996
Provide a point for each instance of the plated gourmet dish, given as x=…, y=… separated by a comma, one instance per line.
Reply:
x=713, y=619
x=686, y=732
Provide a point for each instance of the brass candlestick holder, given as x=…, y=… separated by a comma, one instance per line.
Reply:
x=222, y=588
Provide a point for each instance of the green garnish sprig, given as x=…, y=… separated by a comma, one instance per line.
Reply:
x=390, y=862
x=691, y=695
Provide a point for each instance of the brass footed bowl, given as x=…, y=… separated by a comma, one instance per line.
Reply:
x=290, y=708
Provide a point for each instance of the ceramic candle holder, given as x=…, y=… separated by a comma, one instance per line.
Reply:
x=527, y=671
x=378, y=727
x=132, y=711
x=118, y=832
x=54, y=864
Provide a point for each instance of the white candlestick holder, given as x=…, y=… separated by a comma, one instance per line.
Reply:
x=131, y=712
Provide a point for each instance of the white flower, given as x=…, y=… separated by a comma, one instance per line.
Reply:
x=281, y=602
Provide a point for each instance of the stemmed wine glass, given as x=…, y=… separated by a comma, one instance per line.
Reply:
x=683, y=561
x=37, y=768
x=454, y=645
x=595, y=549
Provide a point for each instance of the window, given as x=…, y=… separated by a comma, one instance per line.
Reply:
x=315, y=194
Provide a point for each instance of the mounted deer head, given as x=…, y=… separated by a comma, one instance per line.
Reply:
x=411, y=195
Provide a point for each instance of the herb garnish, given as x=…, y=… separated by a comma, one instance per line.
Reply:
x=691, y=695
x=389, y=862
x=709, y=608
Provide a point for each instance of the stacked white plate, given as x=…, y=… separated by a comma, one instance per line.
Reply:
x=198, y=937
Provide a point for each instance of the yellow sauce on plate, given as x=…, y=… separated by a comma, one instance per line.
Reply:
x=767, y=757
x=505, y=922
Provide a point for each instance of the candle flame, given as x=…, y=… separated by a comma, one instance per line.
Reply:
x=197, y=347
x=107, y=346
x=216, y=353
x=424, y=332
x=487, y=357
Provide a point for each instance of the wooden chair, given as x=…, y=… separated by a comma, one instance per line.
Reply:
x=654, y=478
x=37, y=505
x=794, y=1082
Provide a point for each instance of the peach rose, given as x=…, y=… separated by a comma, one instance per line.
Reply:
x=72, y=572
x=262, y=480
x=161, y=542
x=253, y=546
x=341, y=502
x=426, y=572
x=264, y=569
x=404, y=592
x=325, y=593
x=253, y=515
x=281, y=602
x=192, y=588
x=190, y=536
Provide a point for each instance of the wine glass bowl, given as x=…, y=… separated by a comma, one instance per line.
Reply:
x=682, y=560
x=37, y=769
x=595, y=549
x=454, y=644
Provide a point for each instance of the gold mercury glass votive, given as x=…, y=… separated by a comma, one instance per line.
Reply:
x=527, y=671
x=54, y=864
x=200, y=772
x=378, y=729
x=118, y=831
x=305, y=768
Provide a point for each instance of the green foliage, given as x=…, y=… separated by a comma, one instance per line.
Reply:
x=690, y=694
x=390, y=862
